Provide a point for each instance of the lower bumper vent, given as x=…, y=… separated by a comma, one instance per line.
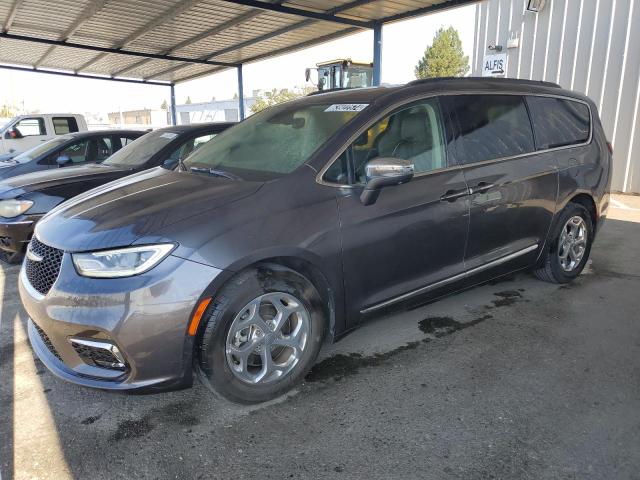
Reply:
x=46, y=341
x=99, y=354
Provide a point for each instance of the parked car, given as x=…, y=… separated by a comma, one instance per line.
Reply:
x=24, y=132
x=306, y=219
x=68, y=150
x=26, y=198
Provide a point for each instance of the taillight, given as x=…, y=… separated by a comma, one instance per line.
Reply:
x=610, y=147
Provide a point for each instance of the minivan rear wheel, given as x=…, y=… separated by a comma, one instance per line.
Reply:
x=263, y=332
x=569, y=246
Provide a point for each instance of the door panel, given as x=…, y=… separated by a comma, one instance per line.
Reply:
x=513, y=190
x=514, y=209
x=408, y=239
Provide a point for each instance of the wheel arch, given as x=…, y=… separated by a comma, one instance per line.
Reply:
x=586, y=200
x=302, y=262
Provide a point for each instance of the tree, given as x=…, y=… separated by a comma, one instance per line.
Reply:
x=444, y=57
x=275, y=96
x=188, y=102
x=164, y=105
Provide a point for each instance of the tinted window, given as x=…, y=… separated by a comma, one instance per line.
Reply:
x=62, y=125
x=492, y=126
x=104, y=148
x=29, y=127
x=558, y=122
x=412, y=133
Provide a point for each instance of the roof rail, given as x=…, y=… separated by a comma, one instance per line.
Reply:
x=518, y=81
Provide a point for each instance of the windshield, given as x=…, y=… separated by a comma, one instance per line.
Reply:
x=39, y=149
x=273, y=142
x=141, y=150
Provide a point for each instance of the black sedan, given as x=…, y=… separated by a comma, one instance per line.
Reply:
x=68, y=150
x=26, y=198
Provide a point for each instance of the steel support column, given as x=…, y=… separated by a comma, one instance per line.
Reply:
x=377, y=54
x=174, y=114
x=240, y=92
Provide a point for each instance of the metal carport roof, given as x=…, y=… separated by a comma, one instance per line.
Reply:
x=170, y=41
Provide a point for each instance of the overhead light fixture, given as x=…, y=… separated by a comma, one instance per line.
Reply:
x=535, y=6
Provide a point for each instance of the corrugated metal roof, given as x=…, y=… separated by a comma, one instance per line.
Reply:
x=217, y=33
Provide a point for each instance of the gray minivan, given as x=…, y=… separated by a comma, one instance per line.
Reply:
x=306, y=219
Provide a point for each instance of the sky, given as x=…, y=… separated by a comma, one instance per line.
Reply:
x=403, y=45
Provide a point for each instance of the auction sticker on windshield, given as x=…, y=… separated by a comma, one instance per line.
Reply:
x=347, y=107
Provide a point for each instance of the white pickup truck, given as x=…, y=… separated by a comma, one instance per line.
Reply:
x=26, y=131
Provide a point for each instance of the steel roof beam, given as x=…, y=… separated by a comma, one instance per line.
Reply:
x=282, y=51
x=12, y=15
x=82, y=75
x=170, y=14
x=89, y=11
x=266, y=36
x=324, y=16
x=245, y=17
x=106, y=50
x=425, y=10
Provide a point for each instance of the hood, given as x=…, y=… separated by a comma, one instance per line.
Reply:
x=29, y=182
x=138, y=205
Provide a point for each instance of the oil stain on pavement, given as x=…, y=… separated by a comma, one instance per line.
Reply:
x=341, y=365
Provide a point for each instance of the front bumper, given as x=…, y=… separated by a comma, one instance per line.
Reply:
x=145, y=317
x=15, y=233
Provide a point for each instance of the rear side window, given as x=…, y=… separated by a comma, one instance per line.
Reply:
x=559, y=122
x=492, y=126
x=62, y=125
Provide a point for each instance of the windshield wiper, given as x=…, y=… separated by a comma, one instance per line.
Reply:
x=215, y=172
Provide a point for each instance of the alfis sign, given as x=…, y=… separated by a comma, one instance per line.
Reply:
x=494, y=65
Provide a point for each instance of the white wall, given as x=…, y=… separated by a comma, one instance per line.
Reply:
x=591, y=46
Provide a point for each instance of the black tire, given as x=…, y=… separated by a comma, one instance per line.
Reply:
x=550, y=269
x=14, y=258
x=212, y=366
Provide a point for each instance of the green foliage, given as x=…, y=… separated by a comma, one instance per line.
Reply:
x=276, y=96
x=444, y=57
x=188, y=102
x=164, y=105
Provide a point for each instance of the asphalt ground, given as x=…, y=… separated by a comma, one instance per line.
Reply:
x=514, y=379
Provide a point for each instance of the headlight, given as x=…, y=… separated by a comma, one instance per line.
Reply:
x=13, y=208
x=123, y=262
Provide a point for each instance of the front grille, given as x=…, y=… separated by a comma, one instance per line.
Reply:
x=98, y=356
x=42, y=265
x=46, y=341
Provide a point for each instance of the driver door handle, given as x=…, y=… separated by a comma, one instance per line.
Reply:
x=453, y=195
x=482, y=187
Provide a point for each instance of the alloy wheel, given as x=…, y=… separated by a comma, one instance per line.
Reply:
x=267, y=338
x=572, y=243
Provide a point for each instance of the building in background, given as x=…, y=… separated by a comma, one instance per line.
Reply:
x=591, y=46
x=146, y=116
x=214, y=111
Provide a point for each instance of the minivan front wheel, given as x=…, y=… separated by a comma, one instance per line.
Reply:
x=263, y=333
x=569, y=247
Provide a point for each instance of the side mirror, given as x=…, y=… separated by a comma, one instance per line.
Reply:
x=384, y=172
x=63, y=160
x=169, y=163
